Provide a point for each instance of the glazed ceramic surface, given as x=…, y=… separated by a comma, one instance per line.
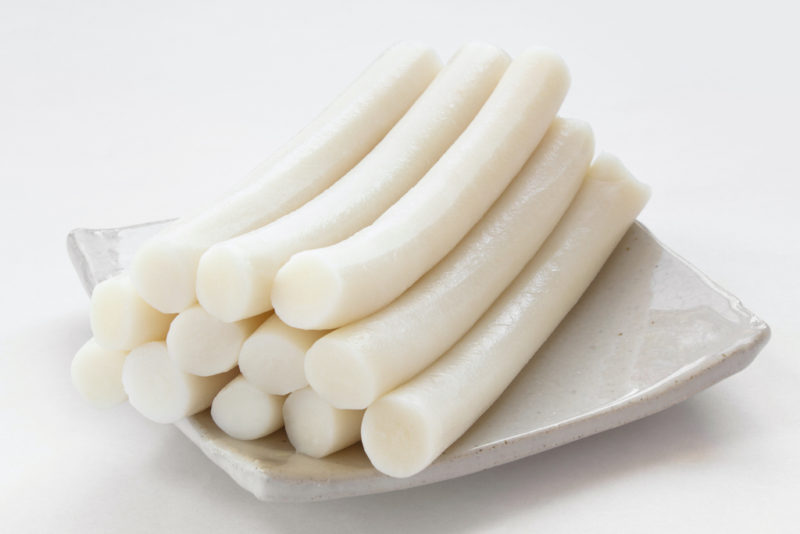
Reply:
x=650, y=332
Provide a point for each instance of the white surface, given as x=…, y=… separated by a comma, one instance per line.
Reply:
x=355, y=364
x=332, y=286
x=108, y=110
x=410, y=426
x=273, y=356
x=202, y=345
x=651, y=298
x=392, y=167
x=164, y=268
x=245, y=412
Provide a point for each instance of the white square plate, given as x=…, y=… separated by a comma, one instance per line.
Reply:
x=650, y=332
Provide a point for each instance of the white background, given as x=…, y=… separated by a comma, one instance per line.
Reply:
x=114, y=113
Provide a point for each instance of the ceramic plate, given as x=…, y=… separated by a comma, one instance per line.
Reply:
x=650, y=332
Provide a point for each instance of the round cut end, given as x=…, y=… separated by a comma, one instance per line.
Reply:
x=228, y=288
x=397, y=437
x=203, y=345
x=310, y=423
x=273, y=363
x=164, y=275
x=340, y=375
x=97, y=374
x=121, y=319
x=155, y=387
x=110, y=313
x=243, y=411
x=608, y=168
x=306, y=293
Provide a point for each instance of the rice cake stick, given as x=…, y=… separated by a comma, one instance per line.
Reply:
x=203, y=345
x=234, y=277
x=121, y=319
x=316, y=428
x=97, y=374
x=243, y=411
x=273, y=357
x=164, y=268
x=329, y=287
x=163, y=393
x=355, y=364
x=404, y=431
